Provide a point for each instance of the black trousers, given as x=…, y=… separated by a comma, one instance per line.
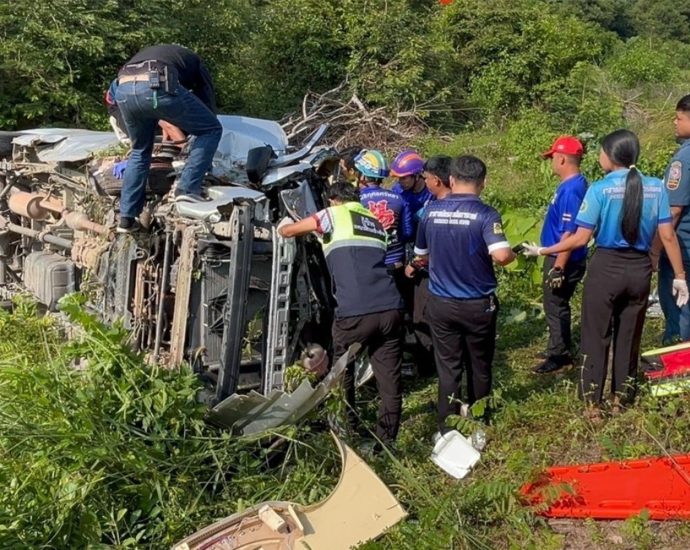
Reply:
x=382, y=334
x=613, y=307
x=460, y=329
x=557, y=308
x=405, y=287
x=424, y=353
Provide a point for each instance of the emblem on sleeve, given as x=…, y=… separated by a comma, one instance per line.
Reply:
x=583, y=206
x=675, y=172
x=498, y=229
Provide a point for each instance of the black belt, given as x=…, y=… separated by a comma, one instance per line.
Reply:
x=625, y=251
x=143, y=77
x=158, y=75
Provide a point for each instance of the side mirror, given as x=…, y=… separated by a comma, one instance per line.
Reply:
x=257, y=162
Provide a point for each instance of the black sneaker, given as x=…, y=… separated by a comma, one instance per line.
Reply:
x=553, y=365
x=128, y=225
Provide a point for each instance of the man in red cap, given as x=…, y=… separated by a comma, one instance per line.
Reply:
x=564, y=271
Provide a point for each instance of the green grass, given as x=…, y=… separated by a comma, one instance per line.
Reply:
x=537, y=423
x=119, y=454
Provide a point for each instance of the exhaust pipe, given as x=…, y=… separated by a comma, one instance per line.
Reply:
x=29, y=205
x=80, y=222
x=6, y=225
x=39, y=207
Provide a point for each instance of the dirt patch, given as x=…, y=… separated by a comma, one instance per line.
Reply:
x=622, y=535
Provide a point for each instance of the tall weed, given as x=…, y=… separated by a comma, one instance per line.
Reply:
x=116, y=452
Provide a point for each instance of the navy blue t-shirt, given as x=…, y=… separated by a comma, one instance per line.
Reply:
x=395, y=217
x=415, y=201
x=677, y=183
x=562, y=213
x=459, y=233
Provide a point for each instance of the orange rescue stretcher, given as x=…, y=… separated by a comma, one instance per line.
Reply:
x=614, y=490
x=667, y=369
x=619, y=490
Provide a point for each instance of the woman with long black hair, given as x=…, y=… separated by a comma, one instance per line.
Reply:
x=624, y=211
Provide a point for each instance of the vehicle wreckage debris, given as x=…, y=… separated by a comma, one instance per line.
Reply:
x=359, y=509
x=197, y=282
x=252, y=413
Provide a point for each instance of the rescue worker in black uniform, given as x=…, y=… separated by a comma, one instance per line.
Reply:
x=461, y=238
x=369, y=306
x=437, y=178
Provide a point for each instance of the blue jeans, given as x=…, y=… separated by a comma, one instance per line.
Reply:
x=181, y=108
x=677, y=318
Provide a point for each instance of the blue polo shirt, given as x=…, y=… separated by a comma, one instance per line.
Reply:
x=677, y=184
x=602, y=210
x=394, y=215
x=459, y=233
x=562, y=212
x=415, y=201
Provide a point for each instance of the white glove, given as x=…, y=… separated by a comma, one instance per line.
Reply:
x=287, y=220
x=680, y=291
x=532, y=249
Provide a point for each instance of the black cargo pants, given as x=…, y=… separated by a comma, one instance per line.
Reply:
x=557, y=308
x=382, y=334
x=613, y=306
x=464, y=333
x=424, y=353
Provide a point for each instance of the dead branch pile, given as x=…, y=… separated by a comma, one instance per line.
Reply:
x=351, y=122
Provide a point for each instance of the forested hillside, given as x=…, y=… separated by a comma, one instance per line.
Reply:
x=468, y=63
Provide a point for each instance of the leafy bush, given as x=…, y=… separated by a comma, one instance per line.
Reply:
x=117, y=452
x=23, y=333
x=642, y=61
x=292, y=47
x=510, y=53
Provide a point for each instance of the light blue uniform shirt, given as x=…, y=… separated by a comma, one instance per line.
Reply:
x=602, y=210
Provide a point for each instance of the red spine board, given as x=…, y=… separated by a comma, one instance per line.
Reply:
x=676, y=363
x=614, y=490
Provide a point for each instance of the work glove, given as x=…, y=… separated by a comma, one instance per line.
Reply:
x=531, y=249
x=287, y=220
x=680, y=291
x=119, y=169
x=555, y=278
x=315, y=359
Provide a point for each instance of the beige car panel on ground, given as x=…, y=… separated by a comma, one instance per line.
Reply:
x=360, y=509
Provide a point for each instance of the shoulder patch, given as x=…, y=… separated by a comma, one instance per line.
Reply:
x=675, y=172
x=498, y=229
x=583, y=206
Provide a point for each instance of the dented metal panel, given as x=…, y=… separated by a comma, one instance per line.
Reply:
x=64, y=144
x=221, y=197
x=254, y=413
